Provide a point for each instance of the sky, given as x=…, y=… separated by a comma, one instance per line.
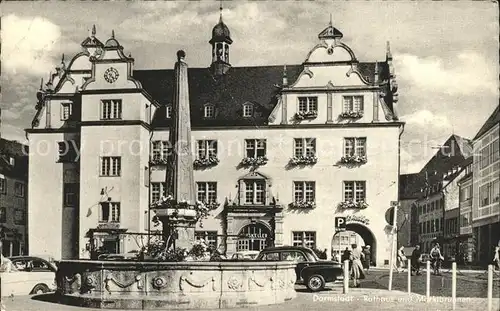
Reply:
x=445, y=53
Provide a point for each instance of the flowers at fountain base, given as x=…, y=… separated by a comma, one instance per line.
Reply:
x=304, y=115
x=303, y=160
x=254, y=161
x=212, y=205
x=158, y=160
x=205, y=162
x=353, y=159
x=351, y=114
x=168, y=202
x=353, y=205
x=303, y=204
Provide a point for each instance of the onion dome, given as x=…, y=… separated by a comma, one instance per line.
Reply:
x=112, y=43
x=221, y=33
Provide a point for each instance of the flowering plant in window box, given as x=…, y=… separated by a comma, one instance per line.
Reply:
x=303, y=160
x=353, y=159
x=349, y=204
x=303, y=204
x=205, y=162
x=211, y=205
x=302, y=115
x=351, y=114
x=254, y=161
x=158, y=160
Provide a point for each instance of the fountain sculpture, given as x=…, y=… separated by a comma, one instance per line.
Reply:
x=176, y=285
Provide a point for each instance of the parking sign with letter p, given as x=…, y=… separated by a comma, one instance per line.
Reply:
x=340, y=223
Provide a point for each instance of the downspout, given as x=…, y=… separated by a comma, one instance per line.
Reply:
x=401, y=131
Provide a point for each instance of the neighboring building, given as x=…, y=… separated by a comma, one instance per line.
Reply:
x=467, y=242
x=271, y=144
x=431, y=205
x=486, y=188
x=13, y=197
x=409, y=193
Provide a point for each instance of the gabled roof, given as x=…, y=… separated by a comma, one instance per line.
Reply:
x=260, y=85
x=465, y=145
x=13, y=149
x=490, y=122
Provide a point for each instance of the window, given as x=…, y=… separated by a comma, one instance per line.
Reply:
x=354, y=191
x=353, y=103
x=158, y=190
x=355, y=146
x=66, y=111
x=110, y=212
x=19, y=218
x=293, y=256
x=70, y=194
x=3, y=214
x=168, y=111
x=19, y=189
x=466, y=193
x=247, y=110
x=160, y=149
x=308, y=104
x=111, y=109
x=210, y=237
x=304, y=147
x=68, y=151
x=304, y=191
x=207, y=149
x=206, y=191
x=420, y=228
x=255, y=148
x=489, y=193
x=111, y=166
x=3, y=185
x=255, y=192
x=209, y=111
x=271, y=256
x=304, y=238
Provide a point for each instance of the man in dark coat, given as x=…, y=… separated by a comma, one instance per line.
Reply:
x=368, y=257
x=415, y=260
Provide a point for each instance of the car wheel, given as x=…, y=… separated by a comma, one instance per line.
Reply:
x=315, y=283
x=40, y=289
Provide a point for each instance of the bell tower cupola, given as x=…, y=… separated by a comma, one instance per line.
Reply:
x=220, y=42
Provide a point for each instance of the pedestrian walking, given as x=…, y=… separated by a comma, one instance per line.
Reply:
x=401, y=259
x=415, y=260
x=357, y=272
x=367, y=257
x=436, y=259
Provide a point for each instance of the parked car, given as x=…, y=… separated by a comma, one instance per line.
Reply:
x=311, y=270
x=30, y=275
x=245, y=255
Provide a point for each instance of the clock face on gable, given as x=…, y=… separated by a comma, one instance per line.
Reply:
x=111, y=75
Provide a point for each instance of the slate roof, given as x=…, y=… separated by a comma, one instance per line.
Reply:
x=14, y=149
x=490, y=122
x=259, y=85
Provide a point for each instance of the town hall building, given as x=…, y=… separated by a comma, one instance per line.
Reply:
x=280, y=151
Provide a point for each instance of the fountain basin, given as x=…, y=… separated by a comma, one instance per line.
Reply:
x=174, y=285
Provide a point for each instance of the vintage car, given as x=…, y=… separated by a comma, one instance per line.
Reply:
x=245, y=255
x=28, y=275
x=311, y=270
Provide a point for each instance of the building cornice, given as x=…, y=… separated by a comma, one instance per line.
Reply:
x=121, y=91
x=54, y=130
x=116, y=123
x=331, y=89
x=290, y=126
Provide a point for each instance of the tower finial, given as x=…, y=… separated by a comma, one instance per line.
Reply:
x=388, y=53
x=41, y=84
x=331, y=24
x=285, y=78
x=62, y=58
x=220, y=10
x=112, y=34
x=93, y=30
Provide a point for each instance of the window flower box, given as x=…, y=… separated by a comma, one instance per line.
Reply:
x=205, y=162
x=303, y=205
x=303, y=160
x=251, y=161
x=211, y=205
x=351, y=114
x=159, y=160
x=353, y=159
x=353, y=205
x=306, y=115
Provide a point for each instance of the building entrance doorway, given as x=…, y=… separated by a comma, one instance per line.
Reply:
x=355, y=234
x=253, y=237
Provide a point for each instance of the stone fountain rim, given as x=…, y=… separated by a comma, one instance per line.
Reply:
x=229, y=264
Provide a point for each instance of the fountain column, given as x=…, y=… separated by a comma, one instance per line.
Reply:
x=179, y=178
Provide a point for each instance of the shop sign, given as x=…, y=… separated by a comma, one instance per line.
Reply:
x=356, y=218
x=254, y=235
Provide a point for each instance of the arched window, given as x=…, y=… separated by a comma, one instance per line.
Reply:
x=253, y=237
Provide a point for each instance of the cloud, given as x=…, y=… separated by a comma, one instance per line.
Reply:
x=465, y=74
x=425, y=118
x=28, y=44
x=12, y=132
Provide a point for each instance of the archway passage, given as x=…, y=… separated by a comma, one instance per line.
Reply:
x=366, y=238
x=253, y=237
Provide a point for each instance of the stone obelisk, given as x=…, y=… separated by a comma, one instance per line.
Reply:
x=179, y=177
